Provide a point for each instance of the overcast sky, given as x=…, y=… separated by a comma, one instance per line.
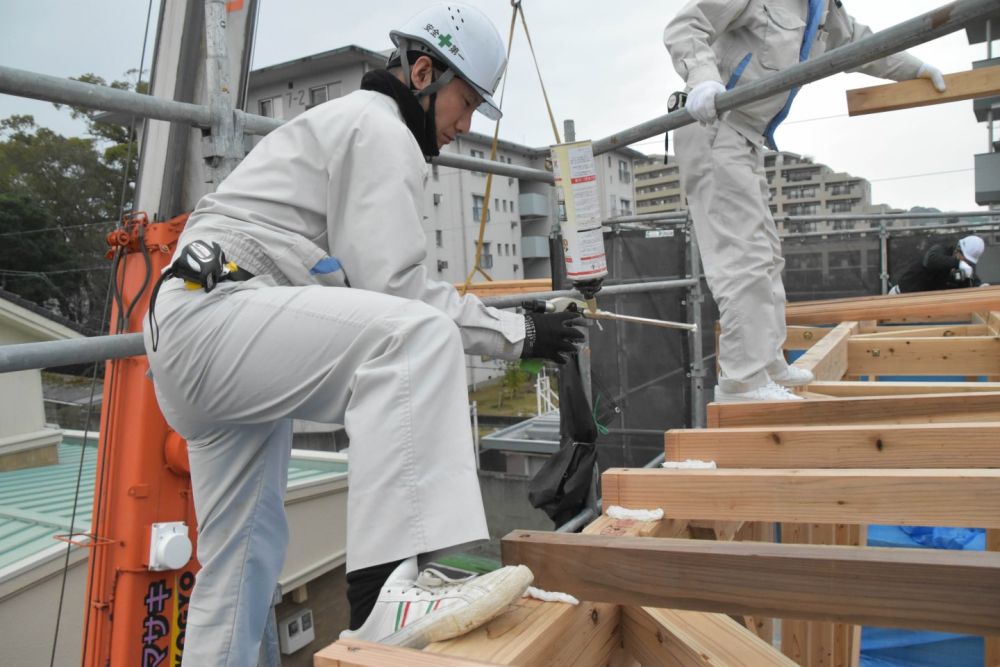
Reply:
x=604, y=65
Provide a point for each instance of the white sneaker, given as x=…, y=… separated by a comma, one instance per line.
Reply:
x=413, y=611
x=769, y=392
x=793, y=376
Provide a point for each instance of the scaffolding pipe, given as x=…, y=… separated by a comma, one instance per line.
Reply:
x=92, y=96
x=499, y=168
x=923, y=28
x=50, y=354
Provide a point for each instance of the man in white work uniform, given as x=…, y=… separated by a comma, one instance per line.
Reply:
x=329, y=315
x=717, y=45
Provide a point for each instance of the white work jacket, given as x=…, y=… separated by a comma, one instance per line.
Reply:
x=708, y=40
x=333, y=197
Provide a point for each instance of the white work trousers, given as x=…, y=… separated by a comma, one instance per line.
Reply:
x=723, y=176
x=235, y=366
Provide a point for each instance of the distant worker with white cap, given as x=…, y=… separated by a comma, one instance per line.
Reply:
x=321, y=309
x=943, y=267
x=717, y=45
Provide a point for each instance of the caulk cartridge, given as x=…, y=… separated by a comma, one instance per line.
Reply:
x=575, y=173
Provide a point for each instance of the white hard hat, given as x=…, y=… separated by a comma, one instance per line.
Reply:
x=972, y=247
x=463, y=38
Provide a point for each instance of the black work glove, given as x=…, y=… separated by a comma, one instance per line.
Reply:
x=551, y=335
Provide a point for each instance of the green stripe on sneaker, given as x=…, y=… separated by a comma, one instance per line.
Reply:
x=399, y=615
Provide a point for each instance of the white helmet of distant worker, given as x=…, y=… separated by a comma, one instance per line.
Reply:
x=461, y=38
x=972, y=248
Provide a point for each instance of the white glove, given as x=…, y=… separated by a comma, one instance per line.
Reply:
x=701, y=101
x=933, y=73
x=966, y=268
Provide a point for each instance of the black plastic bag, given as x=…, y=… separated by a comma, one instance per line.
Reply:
x=561, y=486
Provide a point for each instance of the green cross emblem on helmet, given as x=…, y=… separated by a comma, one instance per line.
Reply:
x=444, y=40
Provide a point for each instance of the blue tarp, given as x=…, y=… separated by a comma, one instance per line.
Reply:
x=891, y=647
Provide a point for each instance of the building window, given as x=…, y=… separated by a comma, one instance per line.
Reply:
x=434, y=171
x=477, y=208
x=496, y=204
x=267, y=108
x=317, y=95
x=439, y=238
x=437, y=198
x=478, y=154
x=626, y=206
x=623, y=172
x=504, y=205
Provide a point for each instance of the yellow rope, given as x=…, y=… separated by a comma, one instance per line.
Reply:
x=484, y=214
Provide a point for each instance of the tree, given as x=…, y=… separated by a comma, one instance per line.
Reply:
x=59, y=197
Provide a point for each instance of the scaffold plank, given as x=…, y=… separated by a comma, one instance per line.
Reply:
x=918, y=306
x=912, y=588
x=955, y=445
x=904, y=409
x=919, y=497
x=975, y=83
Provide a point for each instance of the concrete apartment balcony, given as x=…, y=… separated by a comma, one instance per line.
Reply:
x=534, y=247
x=533, y=205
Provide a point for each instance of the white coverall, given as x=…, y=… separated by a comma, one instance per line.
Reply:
x=335, y=192
x=736, y=42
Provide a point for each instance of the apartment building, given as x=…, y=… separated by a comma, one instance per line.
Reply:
x=798, y=186
x=520, y=214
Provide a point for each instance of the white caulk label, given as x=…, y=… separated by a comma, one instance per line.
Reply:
x=579, y=210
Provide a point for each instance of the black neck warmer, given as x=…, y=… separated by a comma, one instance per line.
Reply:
x=420, y=122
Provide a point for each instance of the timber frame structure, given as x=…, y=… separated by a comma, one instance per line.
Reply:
x=706, y=584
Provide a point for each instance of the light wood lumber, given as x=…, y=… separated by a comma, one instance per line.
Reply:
x=991, y=647
x=914, y=588
x=993, y=322
x=967, y=355
x=605, y=525
x=845, y=389
x=921, y=497
x=538, y=634
x=927, y=331
x=918, y=306
x=802, y=338
x=506, y=287
x=675, y=637
x=828, y=359
x=354, y=653
x=907, y=409
x=975, y=83
x=957, y=445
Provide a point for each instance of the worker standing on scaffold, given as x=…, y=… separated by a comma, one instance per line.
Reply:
x=321, y=309
x=717, y=45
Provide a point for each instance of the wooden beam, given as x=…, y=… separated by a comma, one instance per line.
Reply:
x=921, y=409
x=605, y=525
x=506, y=287
x=537, y=634
x=845, y=389
x=993, y=322
x=354, y=653
x=967, y=355
x=927, y=331
x=912, y=588
x=976, y=83
x=918, y=306
x=675, y=637
x=922, y=497
x=802, y=338
x=827, y=359
x=956, y=445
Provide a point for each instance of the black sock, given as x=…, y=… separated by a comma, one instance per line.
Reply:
x=363, y=587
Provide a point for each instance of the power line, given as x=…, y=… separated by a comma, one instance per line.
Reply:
x=55, y=229
x=929, y=173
